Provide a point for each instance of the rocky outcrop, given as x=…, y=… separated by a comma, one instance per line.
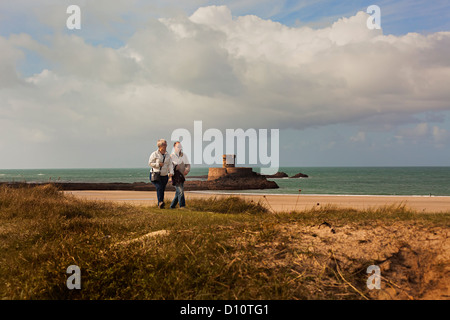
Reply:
x=230, y=182
x=300, y=175
x=277, y=175
x=232, y=178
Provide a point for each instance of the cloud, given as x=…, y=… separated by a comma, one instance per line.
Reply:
x=229, y=71
x=423, y=132
x=419, y=131
x=359, y=137
x=342, y=73
x=440, y=136
x=8, y=59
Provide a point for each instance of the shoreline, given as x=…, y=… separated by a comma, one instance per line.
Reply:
x=315, y=194
x=231, y=187
x=278, y=202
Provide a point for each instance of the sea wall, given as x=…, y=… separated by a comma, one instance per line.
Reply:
x=228, y=182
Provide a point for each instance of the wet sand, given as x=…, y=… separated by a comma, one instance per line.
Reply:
x=280, y=203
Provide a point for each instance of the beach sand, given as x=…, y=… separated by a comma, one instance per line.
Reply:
x=280, y=203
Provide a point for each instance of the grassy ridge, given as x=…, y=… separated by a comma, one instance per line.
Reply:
x=212, y=251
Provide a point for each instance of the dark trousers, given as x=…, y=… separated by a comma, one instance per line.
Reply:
x=160, y=187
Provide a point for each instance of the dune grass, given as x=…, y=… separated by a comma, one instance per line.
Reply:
x=210, y=251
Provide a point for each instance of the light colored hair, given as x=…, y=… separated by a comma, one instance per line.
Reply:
x=161, y=142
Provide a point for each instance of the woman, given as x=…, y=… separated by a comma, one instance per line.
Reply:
x=160, y=161
x=182, y=166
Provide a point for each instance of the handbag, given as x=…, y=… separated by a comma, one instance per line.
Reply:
x=177, y=177
x=156, y=175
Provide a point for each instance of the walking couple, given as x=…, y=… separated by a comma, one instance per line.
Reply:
x=167, y=168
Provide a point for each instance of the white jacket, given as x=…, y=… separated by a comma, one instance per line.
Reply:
x=156, y=158
x=182, y=162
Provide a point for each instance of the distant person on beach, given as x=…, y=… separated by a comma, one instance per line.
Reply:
x=160, y=162
x=181, y=169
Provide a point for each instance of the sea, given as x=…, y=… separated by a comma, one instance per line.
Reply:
x=417, y=181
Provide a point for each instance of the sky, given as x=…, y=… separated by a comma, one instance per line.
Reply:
x=340, y=93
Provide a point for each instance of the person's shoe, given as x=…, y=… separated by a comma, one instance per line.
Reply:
x=161, y=205
x=183, y=208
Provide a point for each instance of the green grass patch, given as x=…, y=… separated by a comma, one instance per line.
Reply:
x=213, y=250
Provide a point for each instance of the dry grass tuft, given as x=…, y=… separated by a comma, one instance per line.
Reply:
x=217, y=249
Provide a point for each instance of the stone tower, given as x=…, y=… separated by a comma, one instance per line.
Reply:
x=229, y=169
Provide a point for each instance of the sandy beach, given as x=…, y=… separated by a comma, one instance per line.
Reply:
x=280, y=203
